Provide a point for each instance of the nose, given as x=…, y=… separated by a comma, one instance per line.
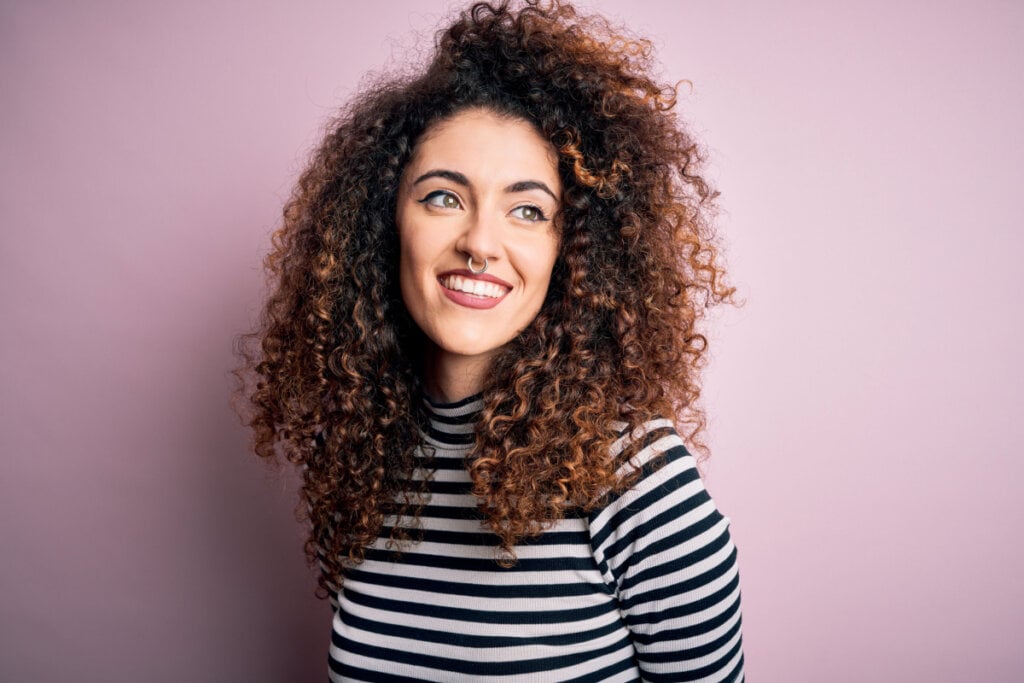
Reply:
x=481, y=237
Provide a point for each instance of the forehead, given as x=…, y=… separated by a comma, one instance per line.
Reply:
x=486, y=147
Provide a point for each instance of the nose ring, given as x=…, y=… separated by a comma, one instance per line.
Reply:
x=473, y=270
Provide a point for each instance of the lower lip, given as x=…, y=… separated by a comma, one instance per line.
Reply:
x=470, y=301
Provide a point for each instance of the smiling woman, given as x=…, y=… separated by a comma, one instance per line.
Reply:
x=483, y=333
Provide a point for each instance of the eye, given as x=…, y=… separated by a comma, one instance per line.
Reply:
x=442, y=199
x=529, y=213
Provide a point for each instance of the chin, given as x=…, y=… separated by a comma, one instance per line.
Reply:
x=472, y=346
x=472, y=350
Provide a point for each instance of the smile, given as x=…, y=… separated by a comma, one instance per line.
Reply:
x=480, y=288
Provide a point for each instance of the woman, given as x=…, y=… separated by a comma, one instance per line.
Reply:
x=486, y=296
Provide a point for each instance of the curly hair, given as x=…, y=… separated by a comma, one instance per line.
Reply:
x=334, y=361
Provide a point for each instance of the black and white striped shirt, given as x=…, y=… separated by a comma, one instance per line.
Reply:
x=645, y=588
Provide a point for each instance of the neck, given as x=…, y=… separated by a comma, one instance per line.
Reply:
x=451, y=377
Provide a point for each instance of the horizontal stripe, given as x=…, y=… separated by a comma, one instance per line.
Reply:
x=490, y=590
x=484, y=537
x=477, y=616
x=477, y=668
x=460, y=639
x=481, y=563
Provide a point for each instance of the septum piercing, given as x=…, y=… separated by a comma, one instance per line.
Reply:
x=469, y=263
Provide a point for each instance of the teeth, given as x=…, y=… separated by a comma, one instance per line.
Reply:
x=474, y=287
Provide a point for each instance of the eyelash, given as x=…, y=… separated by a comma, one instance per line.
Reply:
x=440, y=194
x=541, y=218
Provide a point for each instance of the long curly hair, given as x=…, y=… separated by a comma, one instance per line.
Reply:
x=332, y=375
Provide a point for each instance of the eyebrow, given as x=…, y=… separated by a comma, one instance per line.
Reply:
x=460, y=179
x=524, y=185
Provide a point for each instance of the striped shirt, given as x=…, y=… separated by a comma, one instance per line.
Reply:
x=645, y=588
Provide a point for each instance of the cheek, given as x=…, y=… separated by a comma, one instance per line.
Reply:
x=416, y=255
x=417, y=258
x=546, y=261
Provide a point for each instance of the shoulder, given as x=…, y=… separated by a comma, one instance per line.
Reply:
x=664, y=508
x=653, y=460
x=646, y=443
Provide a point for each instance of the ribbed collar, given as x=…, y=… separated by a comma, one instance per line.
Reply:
x=451, y=424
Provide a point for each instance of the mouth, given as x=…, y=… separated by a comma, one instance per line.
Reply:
x=480, y=288
x=473, y=290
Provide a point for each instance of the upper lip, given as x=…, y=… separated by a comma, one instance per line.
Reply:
x=486, y=277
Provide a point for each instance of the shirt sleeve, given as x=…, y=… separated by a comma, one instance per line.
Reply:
x=665, y=551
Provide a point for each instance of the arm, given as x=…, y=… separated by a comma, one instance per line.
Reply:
x=665, y=550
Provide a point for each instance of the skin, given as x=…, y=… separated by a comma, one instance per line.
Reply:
x=484, y=186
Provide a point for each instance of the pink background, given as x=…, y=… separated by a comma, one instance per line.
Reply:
x=866, y=402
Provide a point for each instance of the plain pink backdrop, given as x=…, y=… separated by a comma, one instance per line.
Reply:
x=865, y=404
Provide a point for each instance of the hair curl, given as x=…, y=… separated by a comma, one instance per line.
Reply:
x=334, y=359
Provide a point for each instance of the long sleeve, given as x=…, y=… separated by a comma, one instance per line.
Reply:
x=665, y=551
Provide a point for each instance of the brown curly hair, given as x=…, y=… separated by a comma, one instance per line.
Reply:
x=334, y=361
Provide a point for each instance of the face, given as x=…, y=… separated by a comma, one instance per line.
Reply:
x=484, y=187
